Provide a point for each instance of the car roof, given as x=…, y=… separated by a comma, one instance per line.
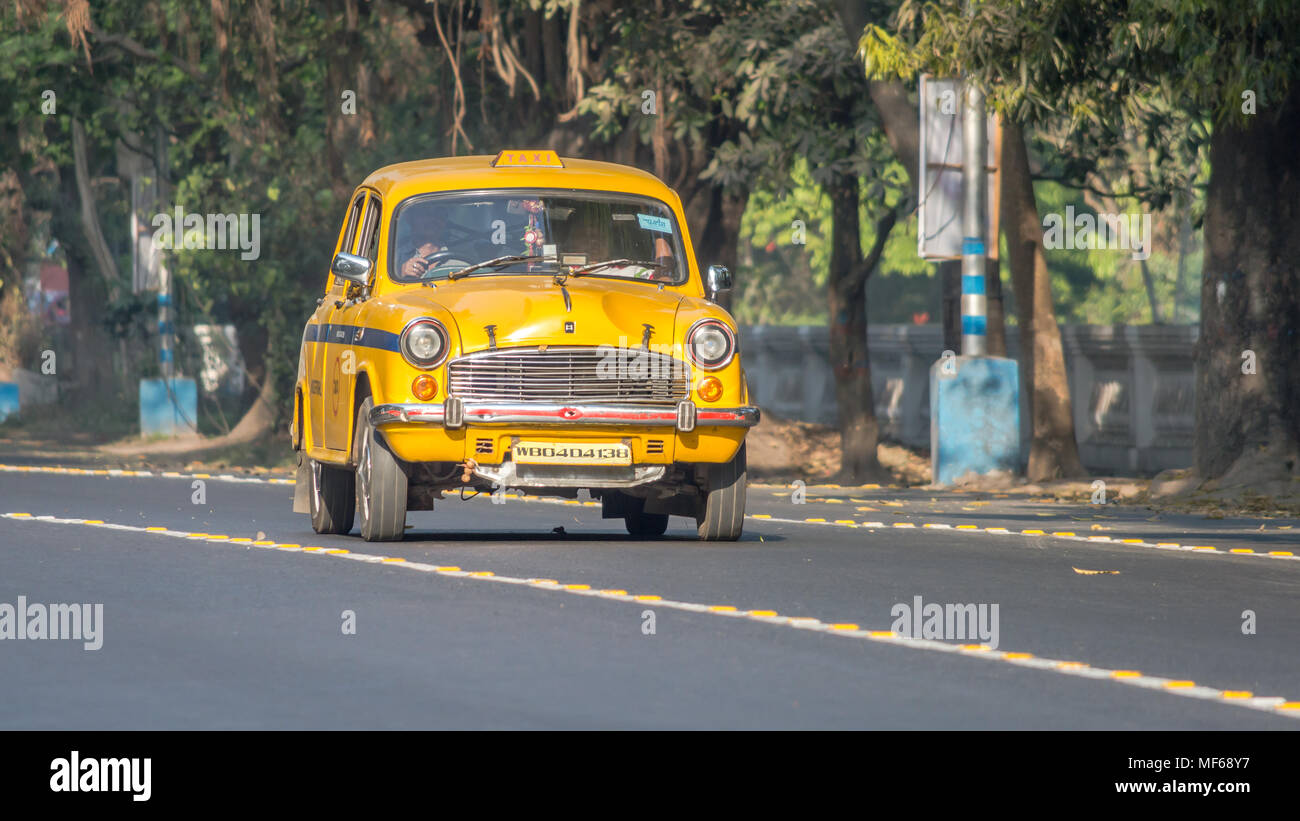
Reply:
x=399, y=181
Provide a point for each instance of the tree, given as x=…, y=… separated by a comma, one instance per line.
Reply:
x=804, y=96
x=938, y=39
x=1116, y=67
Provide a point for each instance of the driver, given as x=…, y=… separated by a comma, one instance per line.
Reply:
x=428, y=227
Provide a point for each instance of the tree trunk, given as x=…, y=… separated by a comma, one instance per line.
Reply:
x=846, y=291
x=89, y=214
x=1053, y=452
x=1250, y=301
x=260, y=418
x=997, y=327
x=1149, y=282
x=1184, y=243
x=82, y=366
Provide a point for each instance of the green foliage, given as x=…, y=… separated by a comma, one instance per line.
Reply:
x=1106, y=76
x=782, y=282
x=237, y=112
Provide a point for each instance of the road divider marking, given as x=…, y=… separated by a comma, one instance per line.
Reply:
x=1276, y=555
x=136, y=474
x=1180, y=687
x=1002, y=531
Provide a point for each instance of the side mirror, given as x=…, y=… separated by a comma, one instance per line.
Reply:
x=717, y=280
x=351, y=268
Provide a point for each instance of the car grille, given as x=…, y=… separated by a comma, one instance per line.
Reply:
x=604, y=374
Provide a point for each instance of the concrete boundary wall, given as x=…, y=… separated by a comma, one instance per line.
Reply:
x=1132, y=386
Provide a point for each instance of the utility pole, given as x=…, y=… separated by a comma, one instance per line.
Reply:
x=974, y=303
x=974, y=397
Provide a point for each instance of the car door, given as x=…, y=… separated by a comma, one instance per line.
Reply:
x=347, y=321
x=327, y=361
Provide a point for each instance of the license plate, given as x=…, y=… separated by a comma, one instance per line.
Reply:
x=569, y=453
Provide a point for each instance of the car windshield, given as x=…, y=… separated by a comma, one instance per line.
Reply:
x=441, y=236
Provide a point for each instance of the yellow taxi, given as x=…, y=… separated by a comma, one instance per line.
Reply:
x=520, y=324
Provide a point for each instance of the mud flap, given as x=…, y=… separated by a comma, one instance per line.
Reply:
x=302, y=486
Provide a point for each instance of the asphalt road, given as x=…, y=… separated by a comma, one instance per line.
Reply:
x=487, y=617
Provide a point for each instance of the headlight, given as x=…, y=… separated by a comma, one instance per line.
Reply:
x=710, y=344
x=424, y=343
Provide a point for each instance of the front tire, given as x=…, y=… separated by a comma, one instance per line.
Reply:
x=722, y=513
x=333, y=497
x=381, y=483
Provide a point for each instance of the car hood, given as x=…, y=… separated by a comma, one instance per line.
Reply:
x=531, y=310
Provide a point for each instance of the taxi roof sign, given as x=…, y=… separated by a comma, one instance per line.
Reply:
x=526, y=159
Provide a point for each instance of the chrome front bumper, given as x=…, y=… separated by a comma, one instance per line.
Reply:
x=456, y=414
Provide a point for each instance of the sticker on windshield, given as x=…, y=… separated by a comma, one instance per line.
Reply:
x=653, y=223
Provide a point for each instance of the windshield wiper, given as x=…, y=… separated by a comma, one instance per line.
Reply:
x=610, y=263
x=492, y=263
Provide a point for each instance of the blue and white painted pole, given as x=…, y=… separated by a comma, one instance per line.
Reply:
x=974, y=304
x=974, y=397
x=165, y=334
x=169, y=405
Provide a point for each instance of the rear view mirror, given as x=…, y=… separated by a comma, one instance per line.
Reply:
x=717, y=280
x=351, y=268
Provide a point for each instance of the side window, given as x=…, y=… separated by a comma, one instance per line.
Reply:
x=369, y=247
x=348, y=241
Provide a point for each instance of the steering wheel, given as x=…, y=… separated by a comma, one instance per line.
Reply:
x=432, y=260
x=440, y=259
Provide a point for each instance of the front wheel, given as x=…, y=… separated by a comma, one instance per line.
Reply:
x=381, y=483
x=332, y=495
x=722, y=513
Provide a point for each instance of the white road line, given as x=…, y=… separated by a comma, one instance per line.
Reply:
x=869, y=525
x=1271, y=704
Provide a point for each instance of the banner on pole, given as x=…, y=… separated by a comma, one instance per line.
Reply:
x=939, y=229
